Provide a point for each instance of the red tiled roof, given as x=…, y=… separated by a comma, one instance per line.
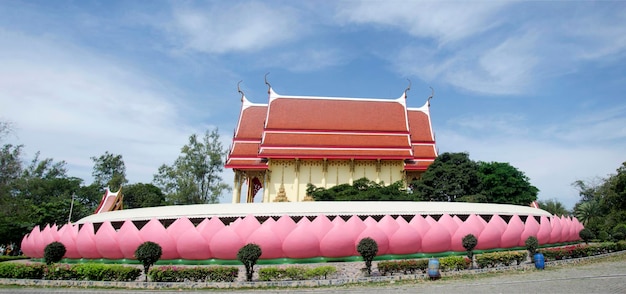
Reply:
x=333, y=128
x=339, y=114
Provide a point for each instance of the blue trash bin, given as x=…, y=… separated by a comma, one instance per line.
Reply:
x=433, y=269
x=539, y=261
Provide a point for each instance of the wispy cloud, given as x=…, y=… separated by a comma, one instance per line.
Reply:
x=225, y=28
x=451, y=44
x=71, y=98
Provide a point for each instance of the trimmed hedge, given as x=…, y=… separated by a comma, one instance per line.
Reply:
x=295, y=273
x=454, y=263
x=12, y=270
x=193, y=274
x=403, y=266
x=500, y=259
x=86, y=271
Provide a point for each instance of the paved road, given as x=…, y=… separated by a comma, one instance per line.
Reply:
x=602, y=277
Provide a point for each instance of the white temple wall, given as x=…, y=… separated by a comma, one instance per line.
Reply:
x=294, y=175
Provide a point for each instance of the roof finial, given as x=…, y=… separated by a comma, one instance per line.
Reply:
x=239, y=90
x=269, y=87
x=431, y=95
x=407, y=89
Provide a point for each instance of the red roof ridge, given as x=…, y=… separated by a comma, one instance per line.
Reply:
x=274, y=95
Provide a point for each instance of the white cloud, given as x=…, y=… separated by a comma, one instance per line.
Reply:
x=71, y=104
x=494, y=47
x=223, y=28
x=440, y=20
x=573, y=149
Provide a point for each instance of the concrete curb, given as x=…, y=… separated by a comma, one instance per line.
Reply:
x=279, y=284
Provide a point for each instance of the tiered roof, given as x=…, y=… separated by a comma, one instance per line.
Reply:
x=331, y=128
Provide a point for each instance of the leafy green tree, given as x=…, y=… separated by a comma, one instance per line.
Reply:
x=148, y=253
x=553, y=206
x=469, y=243
x=195, y=176
x=54, y=252
x=143, y=195
x=532, y=244
x=503, y=183
x=588, y=213
x=248, y=255
x=450, y=177
x=368, y=248
x=109, y=170
x=586, y=234
x=361, y=190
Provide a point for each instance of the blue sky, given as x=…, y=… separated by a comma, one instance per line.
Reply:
x=538, y=84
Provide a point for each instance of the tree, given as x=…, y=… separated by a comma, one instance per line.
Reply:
x=148, y=253
x=503, y=183
x=532, y=244
x=195, y=178
x=469, y=243
x=451, y=176
x=586, y=234
x=588, y=212
x=54, y=252
x=361, y=190
x=248, y=255
x=143, y=195
x=553, y=206
x=368, y=248
x=109, y=170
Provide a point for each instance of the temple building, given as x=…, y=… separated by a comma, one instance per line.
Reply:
x=291, y=141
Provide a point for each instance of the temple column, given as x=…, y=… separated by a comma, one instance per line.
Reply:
x=237, y=187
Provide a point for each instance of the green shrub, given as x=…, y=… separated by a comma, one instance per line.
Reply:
x=54, y=252
x=603, y=236
x=148, y=253
x=494, y=259
x=271, y=274
x=531, y=245
x=469, y=243
x=619, y=232
x=11, y=270
x=248, y=255
x=194, y=274
x=60, y=272
x=403, y=266
x=451, y=263
x=368, y=248
x=106, y=272
x=295, y=273
x=321, y=272
x=586, y=234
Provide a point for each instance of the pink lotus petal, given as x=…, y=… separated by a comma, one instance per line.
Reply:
x=208, y=228
x=129, y=239
x=513, y=232
x=437, y=239
x=271, y=245
x=492, y=233
x=472, y=225
x=225, y=244
x=179, y=227
x=405, y=240
x=191, y=245
x=300, y=243
x=545, y=230
x=85, y=243
x=155, y=232
x=106, y=242
x=246, y=226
